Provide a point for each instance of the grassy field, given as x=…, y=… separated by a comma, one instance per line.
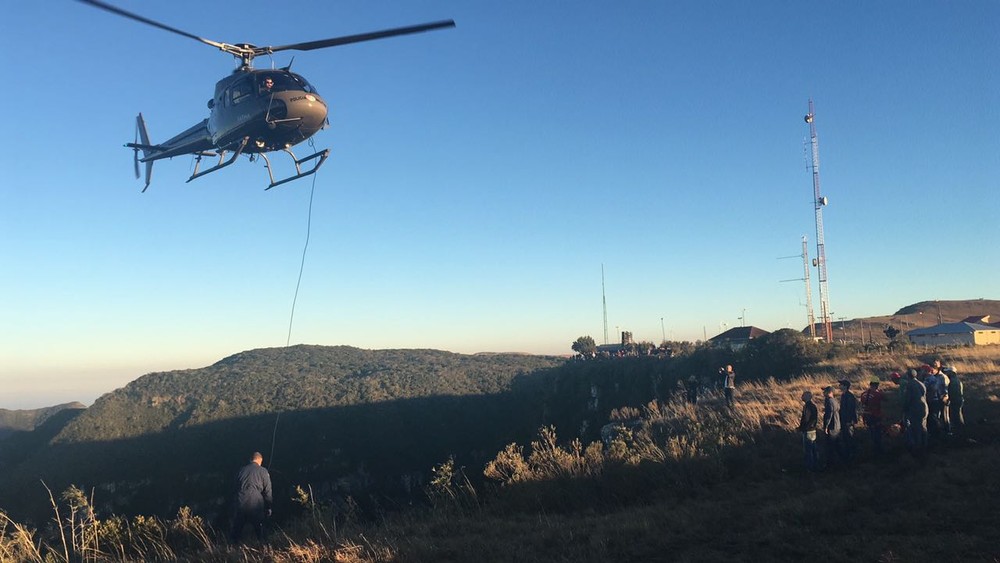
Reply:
x=687, y=484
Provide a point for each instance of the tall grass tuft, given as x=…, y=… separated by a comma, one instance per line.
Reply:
x=17, y=542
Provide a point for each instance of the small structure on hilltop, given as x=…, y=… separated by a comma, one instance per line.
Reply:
x=627, y=345
x=951, y=334
x=737, y=337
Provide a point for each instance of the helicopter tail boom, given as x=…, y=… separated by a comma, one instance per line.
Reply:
x=195, y=140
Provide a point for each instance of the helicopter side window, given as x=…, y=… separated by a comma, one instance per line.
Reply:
x=240, y=91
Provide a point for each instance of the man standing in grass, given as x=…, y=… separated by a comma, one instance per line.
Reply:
x=729, y=384
x=915, y=399
x=940, y=410
x=253, y=498
x=935, y=387
x=807, y=426
x=956, y=399
x=831, y=424
x=848, y=419
x=692, y=390
x=871, y=404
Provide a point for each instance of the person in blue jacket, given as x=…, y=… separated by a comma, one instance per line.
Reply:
x=252, y=503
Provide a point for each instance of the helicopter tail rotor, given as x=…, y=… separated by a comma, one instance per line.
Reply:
x=141, y=143
x=135, y=151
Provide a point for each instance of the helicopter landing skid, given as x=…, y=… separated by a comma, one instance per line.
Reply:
x=321, y=155
x=221, y=164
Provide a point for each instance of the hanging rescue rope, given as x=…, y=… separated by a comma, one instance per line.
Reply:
x=302, y=265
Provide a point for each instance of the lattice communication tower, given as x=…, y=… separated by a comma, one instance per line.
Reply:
x=819, y=202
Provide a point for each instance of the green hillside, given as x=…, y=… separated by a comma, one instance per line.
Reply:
x=298, y=378
x=339, y=418
x=26, y=420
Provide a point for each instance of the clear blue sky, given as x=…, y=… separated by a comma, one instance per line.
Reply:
x=480, y=177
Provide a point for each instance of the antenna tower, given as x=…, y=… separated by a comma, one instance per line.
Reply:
x=819, y=202
x=604, y=300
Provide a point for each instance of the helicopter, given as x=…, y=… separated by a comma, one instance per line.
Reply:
x=253, y=112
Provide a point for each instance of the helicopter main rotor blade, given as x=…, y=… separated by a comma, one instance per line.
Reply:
x=335, y=41
x=154, y=23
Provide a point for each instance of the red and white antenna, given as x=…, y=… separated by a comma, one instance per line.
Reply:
x=819, y=202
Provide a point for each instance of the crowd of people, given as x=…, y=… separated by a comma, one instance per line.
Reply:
x=931, y=400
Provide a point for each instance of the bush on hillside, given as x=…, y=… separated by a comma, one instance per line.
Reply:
x=783, y=354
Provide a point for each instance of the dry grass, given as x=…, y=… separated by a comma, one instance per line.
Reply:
x=17, y=542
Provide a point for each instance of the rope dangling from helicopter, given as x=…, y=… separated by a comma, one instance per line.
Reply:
x=295, y=298
x=302, y=264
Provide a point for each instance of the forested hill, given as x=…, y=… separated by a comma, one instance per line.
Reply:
x=332, y=417
x=292, y=379
x=28, y=419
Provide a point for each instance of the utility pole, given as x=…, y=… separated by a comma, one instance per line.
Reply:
x=818, y=203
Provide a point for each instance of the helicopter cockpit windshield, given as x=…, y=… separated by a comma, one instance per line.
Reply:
x=270, y=82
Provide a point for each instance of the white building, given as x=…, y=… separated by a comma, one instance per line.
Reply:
x=955, y=334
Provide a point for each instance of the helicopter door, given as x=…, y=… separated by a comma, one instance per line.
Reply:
x=240, y=91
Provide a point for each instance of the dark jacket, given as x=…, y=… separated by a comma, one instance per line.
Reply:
x=253, y=489
x=831, y=416
x=731, y=380
x=915, y=400
x=848, y=409
x=810, y=417
x=956, y=391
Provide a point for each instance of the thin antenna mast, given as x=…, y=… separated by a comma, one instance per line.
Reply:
x=809, y=293
x=805, y=277
x=604, y=300
x=818, y=202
